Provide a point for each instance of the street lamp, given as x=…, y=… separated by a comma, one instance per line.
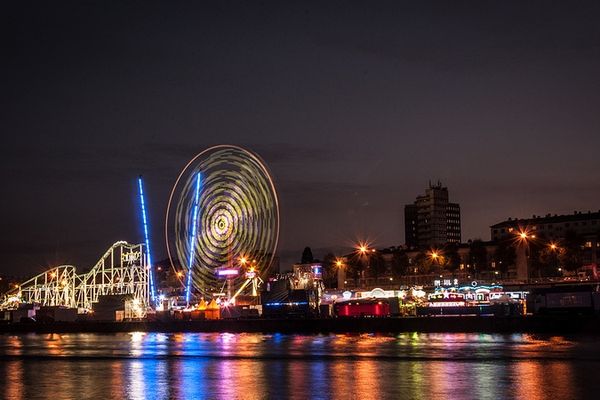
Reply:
x=522, y=256
x=525, y=235
x=435, y=256
x=341, y=273
x=363, y=251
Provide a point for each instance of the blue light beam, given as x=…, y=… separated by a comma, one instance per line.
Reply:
x=194, y=230
x=146, y=237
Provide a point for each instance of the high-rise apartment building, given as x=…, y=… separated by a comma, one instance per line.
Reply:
x=432, y=220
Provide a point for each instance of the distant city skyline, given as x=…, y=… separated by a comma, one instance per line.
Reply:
x=353, y=108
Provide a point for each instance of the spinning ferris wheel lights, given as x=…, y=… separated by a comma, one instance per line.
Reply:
x=227, y=217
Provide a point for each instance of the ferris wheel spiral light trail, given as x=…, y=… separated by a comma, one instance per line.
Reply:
x=232, y=215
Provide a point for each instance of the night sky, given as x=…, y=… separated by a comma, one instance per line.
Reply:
x=354, y=107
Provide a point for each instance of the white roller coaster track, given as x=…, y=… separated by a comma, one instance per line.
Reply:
x=122, y=270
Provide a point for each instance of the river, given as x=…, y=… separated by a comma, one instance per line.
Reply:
x=256, y=366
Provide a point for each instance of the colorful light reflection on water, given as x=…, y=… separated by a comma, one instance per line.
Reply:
x=254, y=366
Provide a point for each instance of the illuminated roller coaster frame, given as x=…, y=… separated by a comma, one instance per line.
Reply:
x=122, y=270
x=223, y=209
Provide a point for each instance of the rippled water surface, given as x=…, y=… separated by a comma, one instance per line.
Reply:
x=254, y=366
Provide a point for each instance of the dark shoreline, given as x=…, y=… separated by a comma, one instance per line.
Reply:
x=550, y=324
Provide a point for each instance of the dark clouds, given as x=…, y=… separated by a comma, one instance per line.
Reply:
x=354, y=106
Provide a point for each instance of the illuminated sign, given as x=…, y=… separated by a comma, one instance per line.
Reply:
x=228, y=272
x=436, y=297
x=447, y=304
x=379, y=293
x=316, y=270
x=131, y=256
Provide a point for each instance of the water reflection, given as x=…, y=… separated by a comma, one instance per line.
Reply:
x=13, y=388
x=253, y=366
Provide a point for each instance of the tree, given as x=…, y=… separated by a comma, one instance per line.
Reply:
x=549, y=261
x=400, y=264
x=505, y=255
x=423, y=262
x=536, y=258
x=478, y=256
x=572, y=257
x=377, y=265
x=329, y=271
x=307, y=256
x=452, y=259
x=354, y=268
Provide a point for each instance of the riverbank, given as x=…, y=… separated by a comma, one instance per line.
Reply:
x=558, y=324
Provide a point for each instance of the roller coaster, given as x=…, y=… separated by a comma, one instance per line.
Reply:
x=122, y=270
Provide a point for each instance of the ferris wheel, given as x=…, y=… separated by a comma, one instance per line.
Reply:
x=222, y=221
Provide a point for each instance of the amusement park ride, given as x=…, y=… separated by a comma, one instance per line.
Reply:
x=122, y=270
x=223, y=212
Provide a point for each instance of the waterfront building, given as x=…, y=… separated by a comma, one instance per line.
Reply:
x=432, y=220
x=555, y=228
